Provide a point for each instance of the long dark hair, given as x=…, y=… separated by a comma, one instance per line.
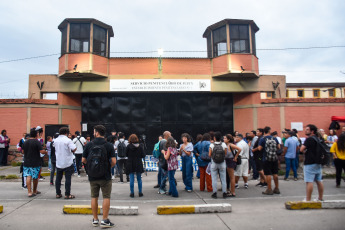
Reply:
x=170, y=143
x=341, y=142
x=198, y=138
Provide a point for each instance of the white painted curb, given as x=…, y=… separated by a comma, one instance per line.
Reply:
x=213, y=208
x=333, y=204
x=123, y=210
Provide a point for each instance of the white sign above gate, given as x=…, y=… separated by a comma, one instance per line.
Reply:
x=160, y=85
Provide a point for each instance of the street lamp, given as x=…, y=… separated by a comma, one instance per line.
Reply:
x=160, y=52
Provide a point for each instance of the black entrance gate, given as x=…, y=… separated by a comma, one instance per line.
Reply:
x=153, y=113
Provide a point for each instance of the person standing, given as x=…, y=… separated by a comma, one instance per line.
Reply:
x=230, y=159
x=197, y=152
x=338, y=151
x=49, y=141
x=242, y=169
x=162, y=164
x=32, y=150
x=186, y=151
x=135, y=153
x=121, y=146
x=99, y=155
x=217, y=152
x=80, y=142
x=291, y=147
x=252, y=134
x=204, y=161
x=64, y=149
x=332, y=138
x=270, y=145
x=171, y=157
x=4, y=145
x=312, y=170
x=53, y=159
x=156, y=154
x=259, y=158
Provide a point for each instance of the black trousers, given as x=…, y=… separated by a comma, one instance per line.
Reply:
x=52, y=172
x=339, y=167
x=68, y=176
x=78, y=157
x=122, y=167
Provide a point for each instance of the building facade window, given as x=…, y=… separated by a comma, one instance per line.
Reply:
x=239, y=39
x=331, y=92
x=300, y=93
x=99, y=40
x=287, y=93
x=219, y=42
x=316, y=93
x=79, y=37
x=269, y=95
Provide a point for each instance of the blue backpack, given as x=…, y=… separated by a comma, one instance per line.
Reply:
x=155, y=151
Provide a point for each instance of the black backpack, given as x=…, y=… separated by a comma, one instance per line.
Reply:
x=121, y=149
x=321, y=155
x=97, y=161
x=218, y=154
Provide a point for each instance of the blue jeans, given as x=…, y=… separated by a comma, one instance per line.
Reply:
x=49, y=163
x=172, y=185
x=290, y=162
x=131, y=182
x=159, y=176
x=253, y=165
x=164, y=176
x=221, y=169
x=187, y=172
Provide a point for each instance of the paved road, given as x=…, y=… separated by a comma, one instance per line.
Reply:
x=251, y=209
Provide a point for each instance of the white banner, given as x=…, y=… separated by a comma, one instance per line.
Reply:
x=160, y=85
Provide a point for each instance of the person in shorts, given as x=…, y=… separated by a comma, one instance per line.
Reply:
x=243, y=168
x=32, y=149
x=104, y=182
x=312, y=170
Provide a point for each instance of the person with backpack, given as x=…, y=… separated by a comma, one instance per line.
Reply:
x=121, y=146
x=186, y=151
x=64, y=149
x=312, y=162
x=53, y=159
x=270, y=145
x=135, y=153
x=197, y=152
x=338, y=151
x=80, y=142
x=243, y=168
x=204, y=161
x=217, y=153
x=99, y=156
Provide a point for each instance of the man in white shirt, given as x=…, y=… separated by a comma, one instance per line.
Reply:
x=80, y=142
x=242, y=169
x=64, y=149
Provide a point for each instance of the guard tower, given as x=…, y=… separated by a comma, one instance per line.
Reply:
x=233, y=41
x=84, y=41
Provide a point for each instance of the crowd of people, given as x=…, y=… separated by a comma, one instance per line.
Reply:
x=225, y=156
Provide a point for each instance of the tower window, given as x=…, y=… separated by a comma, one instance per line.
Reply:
x=239, y=39
x=219, y=41
x=79, y=38
x=99, y=40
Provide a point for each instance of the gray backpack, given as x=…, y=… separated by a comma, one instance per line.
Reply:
x=218, y=154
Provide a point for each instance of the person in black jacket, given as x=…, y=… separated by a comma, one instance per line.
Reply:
x=135, y=153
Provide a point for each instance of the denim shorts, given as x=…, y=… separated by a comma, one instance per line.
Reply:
x=312, y=173
x=31, y=171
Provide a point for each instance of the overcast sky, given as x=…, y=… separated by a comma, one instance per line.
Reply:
x=29, y=29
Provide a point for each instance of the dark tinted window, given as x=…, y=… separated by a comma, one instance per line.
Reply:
x=239, y=39
x=219, y=41
x=64, y=41
x=79, y=38
x=99, y=40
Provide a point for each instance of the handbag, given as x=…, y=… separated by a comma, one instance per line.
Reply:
x=239, y=160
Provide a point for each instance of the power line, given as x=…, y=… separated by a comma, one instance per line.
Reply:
x=181, y=51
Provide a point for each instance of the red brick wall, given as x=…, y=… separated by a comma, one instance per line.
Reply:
x=269, y=116
x=73, y=99
x=72, y=118
x=14, y=121
x=44, y=116
x=243, y=120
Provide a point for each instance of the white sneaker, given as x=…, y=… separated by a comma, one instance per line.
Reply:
x=78, y=175
x=112, y=177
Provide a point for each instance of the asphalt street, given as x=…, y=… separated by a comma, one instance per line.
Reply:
x=250, y=209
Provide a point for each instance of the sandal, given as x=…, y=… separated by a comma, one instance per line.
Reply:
x=37, y=192
x=69, y=197
x=58, y=196
x=231, y=195
x=32, y=195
